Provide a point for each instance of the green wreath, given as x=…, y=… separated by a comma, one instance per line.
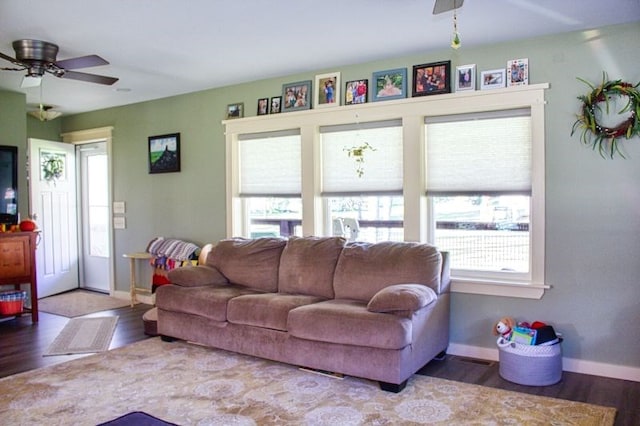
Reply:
x=597, y=135
x=53, y=168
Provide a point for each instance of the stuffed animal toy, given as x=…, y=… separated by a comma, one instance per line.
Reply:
x=504, y=328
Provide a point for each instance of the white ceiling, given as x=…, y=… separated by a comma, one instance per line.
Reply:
x=160, y=48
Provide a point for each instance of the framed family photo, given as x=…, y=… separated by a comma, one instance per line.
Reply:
x=518, y=72
x=492, y=79
x=263, y=106
x=296, y=96
x=356, y=92
x=164, y=153
x=235, y=110
x=327, y=92
x=389, y=84
x=432, y=79
x=276, y=105
x=465, y=77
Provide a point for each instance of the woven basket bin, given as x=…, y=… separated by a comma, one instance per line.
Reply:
x=530, y=364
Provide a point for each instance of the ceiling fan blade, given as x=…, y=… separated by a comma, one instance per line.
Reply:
x=10, y=59
x=81, y=62
x=90, y=78
x=441, y=6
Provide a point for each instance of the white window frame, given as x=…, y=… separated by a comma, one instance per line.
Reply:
x=412, y=113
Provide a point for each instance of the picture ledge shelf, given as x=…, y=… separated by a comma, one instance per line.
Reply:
x=494, y=94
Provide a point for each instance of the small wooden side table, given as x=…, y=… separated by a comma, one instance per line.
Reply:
x=132, y=266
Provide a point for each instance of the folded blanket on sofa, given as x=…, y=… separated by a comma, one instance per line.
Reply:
x=169, y=253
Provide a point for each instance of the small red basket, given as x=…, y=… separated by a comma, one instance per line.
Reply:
x=12, y=302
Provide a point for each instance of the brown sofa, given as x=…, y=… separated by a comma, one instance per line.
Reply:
x=377, y=311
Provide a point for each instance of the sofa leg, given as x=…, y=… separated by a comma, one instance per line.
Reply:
x=167, y=338
x=393, y=387
x=441, y=356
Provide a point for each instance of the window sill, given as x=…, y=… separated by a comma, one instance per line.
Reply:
x=497, y=288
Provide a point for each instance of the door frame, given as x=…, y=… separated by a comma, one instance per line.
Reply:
x=82, y=137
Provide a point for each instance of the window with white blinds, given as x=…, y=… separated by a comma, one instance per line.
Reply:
x=270, y=164
x=382, y=167
x=480, y=153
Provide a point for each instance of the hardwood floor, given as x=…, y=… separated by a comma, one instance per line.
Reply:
x=22, y=345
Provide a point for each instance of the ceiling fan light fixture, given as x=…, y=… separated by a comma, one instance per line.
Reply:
x=31, y=81
x=45, y=113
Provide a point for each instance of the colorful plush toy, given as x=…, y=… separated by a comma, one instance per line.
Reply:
x=504, y=328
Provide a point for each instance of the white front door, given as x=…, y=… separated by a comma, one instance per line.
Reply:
x=52, y=201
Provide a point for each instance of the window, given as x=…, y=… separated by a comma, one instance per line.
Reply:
x=479, y=186
x=463, y=170
x=363, y=200
x=270, y=183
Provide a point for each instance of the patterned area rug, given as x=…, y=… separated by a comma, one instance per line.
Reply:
x=79, y=302
x=192, y=385
x=83, y=336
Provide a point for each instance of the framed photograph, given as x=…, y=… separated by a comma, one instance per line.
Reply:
x=164, y=153
x=276, y=105
x=431, y=79
x=518, y=72
x=356, y=92
x=263, y=106
x=235, y=110
x=327, y=92
x=296, y=96
x=492, y=79
x=389, y=84
x=466, y=77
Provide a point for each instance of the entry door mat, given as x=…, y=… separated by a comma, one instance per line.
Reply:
x=79, y=302
x=84, y=335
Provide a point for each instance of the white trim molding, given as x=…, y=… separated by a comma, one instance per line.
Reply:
x=573, y=365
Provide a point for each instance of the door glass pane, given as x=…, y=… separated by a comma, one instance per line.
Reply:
x=98, y=205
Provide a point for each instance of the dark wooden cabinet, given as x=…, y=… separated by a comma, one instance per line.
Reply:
x=18, y=265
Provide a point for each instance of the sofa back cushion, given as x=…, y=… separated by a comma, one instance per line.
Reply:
x=365, y=268
x=252, y=263
x=307, y=265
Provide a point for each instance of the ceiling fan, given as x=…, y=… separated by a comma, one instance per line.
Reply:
x=38, y=57
x=441, y=6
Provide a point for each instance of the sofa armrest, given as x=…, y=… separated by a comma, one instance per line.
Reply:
x=195, y=276
x=402, y=298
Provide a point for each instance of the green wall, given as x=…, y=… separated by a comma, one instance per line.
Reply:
x=592, y=204
x=13, y=132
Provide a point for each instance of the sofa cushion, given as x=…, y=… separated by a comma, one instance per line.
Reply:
x=349, y=322
x=307, y=265
x=191, y=276
x=208, y=301
x=402, y=298
x=269, y=310
x=250, y=262
x=363, y=269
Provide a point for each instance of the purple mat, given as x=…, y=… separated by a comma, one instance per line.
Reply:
x=137, y=418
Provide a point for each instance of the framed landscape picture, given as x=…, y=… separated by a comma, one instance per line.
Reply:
x=389, y=84
x=235, y=110
x=327, y=92
x=356, y=92
x=296, y=96
x=432, y=79
x=164, y=153
x=492, y=79
x=465, y=77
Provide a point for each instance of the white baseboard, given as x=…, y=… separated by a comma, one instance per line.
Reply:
x=568, y=364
